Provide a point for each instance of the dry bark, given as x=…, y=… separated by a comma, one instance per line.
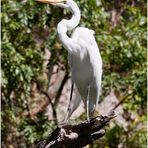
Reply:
x=79, y=135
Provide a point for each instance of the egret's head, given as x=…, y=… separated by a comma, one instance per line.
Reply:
x=67, y=4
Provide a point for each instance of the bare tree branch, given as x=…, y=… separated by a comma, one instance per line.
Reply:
x=77, y=136
x=49, y=99
x=121, y=102
x=61, y=88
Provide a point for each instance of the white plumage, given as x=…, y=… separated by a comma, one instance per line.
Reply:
x=86, y=69
x=84, y=58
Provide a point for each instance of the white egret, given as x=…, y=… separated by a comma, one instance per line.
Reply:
x=84, y=58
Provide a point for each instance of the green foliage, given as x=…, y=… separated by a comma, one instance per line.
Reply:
x=122, y=47
x=37, y=129
x=113, y=136
x=117, y=136
x=22, y=60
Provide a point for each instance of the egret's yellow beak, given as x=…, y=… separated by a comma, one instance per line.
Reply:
x=51, y=1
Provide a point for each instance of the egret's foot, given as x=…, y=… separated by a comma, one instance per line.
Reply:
x=88, y=119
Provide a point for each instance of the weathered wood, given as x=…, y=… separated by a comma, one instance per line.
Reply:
x=77, y=136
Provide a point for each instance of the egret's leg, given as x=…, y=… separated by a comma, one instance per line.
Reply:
x=88, y=104
x=70, y=100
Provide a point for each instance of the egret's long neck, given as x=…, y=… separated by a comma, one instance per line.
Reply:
x=67, y=25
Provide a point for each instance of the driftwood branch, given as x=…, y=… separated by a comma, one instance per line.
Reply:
x=77, y=136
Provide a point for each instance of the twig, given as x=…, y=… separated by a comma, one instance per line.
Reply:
x=61, y=88
x=52, y=105
x=118, y=104
x=49, y=99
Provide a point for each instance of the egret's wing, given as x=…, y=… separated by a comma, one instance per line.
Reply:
x=85, y=38
x=96, y=61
